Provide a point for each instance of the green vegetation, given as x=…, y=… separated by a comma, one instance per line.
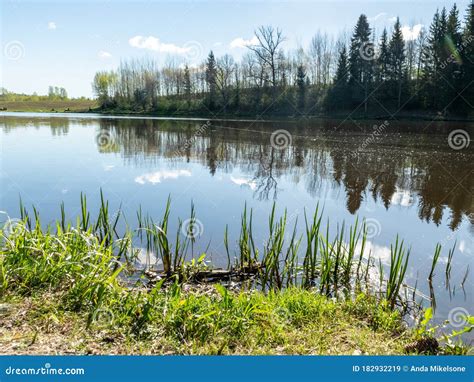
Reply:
x=73, y=288
x=57, y=101
x=428, y=74
x=205, y=321
x=75, y=105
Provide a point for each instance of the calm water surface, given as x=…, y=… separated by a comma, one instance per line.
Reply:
x=405, y=181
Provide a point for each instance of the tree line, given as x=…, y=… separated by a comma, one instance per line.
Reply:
x=431, y=72
x=54, y=93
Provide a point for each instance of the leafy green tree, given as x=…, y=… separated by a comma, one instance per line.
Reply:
x=100, y=85
x=62, y=93
x=434, y=72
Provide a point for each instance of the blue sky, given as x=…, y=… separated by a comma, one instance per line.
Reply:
x=63, y=43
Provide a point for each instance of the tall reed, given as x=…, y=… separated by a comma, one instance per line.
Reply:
x=334, y=264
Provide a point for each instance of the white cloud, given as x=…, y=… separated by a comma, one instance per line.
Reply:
x=154, y=43
x=52, y=25
x=145, y=259
x=239, y=42
x=375, y=18
x=402, y=198
x=377, y=252
x=242, y=182
x=109, y=167
x=158, y=176
x=411, y=33
x=104, y=54
x=392, y=19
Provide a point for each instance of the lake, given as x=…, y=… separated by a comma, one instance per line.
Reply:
x=404, y=178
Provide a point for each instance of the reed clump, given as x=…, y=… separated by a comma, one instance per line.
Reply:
x=89, y=269
x=335, y=264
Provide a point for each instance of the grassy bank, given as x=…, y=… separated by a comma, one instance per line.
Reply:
x=69, y=105
x=207, y=321
x=86, y=105
x=73, y=289
x=415, y=115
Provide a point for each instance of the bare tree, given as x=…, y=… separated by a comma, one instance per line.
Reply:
x=321, y=53
x=267, y=49
x=316, y=57
x=225, y=69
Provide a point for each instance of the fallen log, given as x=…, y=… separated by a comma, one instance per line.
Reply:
x=208, y=275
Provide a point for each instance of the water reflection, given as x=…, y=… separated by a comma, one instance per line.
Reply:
x=158, y=176
x=402, y=167
x=405, y=182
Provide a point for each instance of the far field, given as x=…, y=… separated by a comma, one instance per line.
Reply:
x=75, y=105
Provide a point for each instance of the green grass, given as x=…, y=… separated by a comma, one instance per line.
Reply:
x=66, y=288
x=74, y=105
x=206, y=321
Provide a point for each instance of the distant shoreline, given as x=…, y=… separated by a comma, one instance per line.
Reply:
x=72, y=108
x=282, y=118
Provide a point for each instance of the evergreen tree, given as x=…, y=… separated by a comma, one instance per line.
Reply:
x=381, y=67
x=301, y=86
x=452, y=66
x=211, y=72
x=433, y=55
x=434, y=72
x=396, y=68
x=187, y=85
x=338, y=95
x=453, y=30
x=383, y=58
x=467, y=57
x=361, y=56
x=342, y=68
